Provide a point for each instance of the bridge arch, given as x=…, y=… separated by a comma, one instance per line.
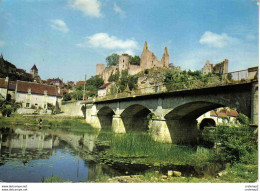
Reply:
x=181, y=120
x=105, y=116
x=135, y=118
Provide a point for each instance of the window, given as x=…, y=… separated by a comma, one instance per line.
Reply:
x=27, y=104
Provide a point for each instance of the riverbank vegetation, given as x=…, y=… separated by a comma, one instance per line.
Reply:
x=234, y=144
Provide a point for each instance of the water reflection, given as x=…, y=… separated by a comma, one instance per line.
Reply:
x=28, y=156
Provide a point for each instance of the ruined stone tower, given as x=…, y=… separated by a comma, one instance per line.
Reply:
x=100, y=69
x=165, y=58
x=149, y=60
x=123, y=62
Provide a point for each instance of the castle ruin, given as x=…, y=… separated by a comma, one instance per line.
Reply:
x=220, y=68
x=148, y=61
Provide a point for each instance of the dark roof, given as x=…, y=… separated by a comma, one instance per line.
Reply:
x=3, y=83
x=20, y=70
x=36, y=88
x=9, y=64
x=34, y=68
x=104, y=85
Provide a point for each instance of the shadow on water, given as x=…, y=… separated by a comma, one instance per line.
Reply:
x=29, y=155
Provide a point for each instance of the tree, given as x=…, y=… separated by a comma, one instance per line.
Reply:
x=134, y=60
x=112, y=60
x=114, y=77
x=92, y=85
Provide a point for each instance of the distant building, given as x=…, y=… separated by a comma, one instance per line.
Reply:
x=56, y=82
x=220, y=68
x=104, y=90
x=37, y=95
x=80, y=83
x=214, y=117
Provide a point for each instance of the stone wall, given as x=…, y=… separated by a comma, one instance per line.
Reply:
x=148, y=61
x=73, y=109
x=220, y=68
x=100, y=69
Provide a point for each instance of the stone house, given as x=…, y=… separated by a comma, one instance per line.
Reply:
x=148, y=61
x=220, y=68
x=56, y=82
x=32, y=94
x=104, y=89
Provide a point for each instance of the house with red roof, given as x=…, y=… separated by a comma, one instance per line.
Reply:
x=104, y=89
x=218, y=116
x=35, y=95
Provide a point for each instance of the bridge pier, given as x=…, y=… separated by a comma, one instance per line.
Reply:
x=159, y=130
x=254, y=103
x=183, y=131
x=94, y=122
x=117, y=124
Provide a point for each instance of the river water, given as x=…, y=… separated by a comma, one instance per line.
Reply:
x=35, y=154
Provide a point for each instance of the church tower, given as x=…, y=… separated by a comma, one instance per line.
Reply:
x=34, y=71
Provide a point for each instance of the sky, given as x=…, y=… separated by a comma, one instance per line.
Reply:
x=67, y=38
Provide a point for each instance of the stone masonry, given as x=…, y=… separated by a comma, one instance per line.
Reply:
x=221, y=68
x=148, y=61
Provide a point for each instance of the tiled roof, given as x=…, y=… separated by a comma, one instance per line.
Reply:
x=80, y=82
x=3, y=83
x=232, y=113
x=9, y=64
x=104, y=85
x=224, y=113
x=36, y=88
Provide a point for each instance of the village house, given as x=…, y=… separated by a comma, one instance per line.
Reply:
x=34, y=95
x=56, y=82
x=218, y=116
x=104, y=89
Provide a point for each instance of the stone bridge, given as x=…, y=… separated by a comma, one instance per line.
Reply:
x=171, y=117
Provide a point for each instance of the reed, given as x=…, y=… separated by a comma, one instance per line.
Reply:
x=141, y=145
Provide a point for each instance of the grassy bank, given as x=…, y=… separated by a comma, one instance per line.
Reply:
x=140, y=148
x=73, y=124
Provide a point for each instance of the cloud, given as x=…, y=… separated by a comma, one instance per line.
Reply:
x=129, y=52
x=104, y=41
x=118, y=10
x=59, y=25
x=251, y=37
x=88, y=7
x=216, y=40
x=2, y=43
